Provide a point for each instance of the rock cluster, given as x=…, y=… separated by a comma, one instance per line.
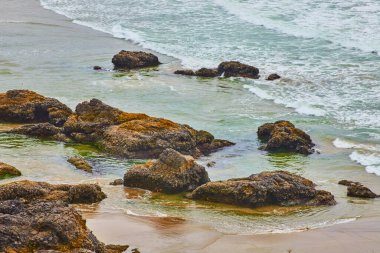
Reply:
x=126, y=60
x=8, y=171
x=172, y=172
x=130, y=135
x=225, y=69
x=36, y=217
x=284, y=136
x=356, y=189
x=267, y=188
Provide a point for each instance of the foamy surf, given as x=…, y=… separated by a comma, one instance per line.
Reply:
x=364, y=154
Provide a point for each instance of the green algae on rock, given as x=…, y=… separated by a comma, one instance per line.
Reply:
x=8, y=171
x=284, y=136
x=172, y=172
x=267, y=188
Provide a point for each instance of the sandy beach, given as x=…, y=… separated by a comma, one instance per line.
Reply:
x=49, y=37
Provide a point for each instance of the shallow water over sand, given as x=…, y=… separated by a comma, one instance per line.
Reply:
x=55, y=58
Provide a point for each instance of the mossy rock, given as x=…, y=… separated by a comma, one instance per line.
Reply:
x=8, y=171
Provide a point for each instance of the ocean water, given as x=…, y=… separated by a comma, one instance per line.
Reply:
x=330, y=89
x=327, y=51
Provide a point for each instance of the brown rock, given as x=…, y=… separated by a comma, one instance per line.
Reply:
x=72, y=194
x=8, y=171
x=205, y=72
x=39, y=130
x=267, y=188
x=24, y=106
x=171, y=173
x=284, y=136
x=35, y=218
x=80, y=164
x=97, y=68
x=272, y=77
x=356, y=189
x=118, y=181
x=185, y=72
x=237, y=69
x=131, y=60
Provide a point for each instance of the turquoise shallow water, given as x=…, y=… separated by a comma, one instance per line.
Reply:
x=56, y=60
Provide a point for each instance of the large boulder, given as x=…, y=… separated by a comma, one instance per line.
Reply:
x=134, y=135
x=24, y=106
x=8, y=171
x=36, y=217
x=356, y=189
x=284, y=136
x=237, y=69
x=72, y=194
x=267, y=188
x=171, y=173
x=131, y=60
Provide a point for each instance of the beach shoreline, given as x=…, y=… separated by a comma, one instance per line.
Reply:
x=358, y=236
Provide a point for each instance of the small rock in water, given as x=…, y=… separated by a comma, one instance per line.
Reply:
x=97, y=68
x=185, y=72
x=356, y=189
x=272, y=77
x=284, y=136
x=8, y=171
x=211, y=164
x=237, y=69
x=205, y=72
x=80, y=164
x=117, y=182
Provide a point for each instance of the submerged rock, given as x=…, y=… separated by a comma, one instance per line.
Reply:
x=171, y=173
x=72, y=194
x=267, y=188
x=97, y=68
x=118, y=181
x=35, y=217
x=131, y=60
x=272, y=77
x=356, y=189
x=237, y=69
x=80, y=164
x=284, y=136
x=24, y=106
x=8, y=171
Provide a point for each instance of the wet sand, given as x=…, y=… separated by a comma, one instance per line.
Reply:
x=47, y=31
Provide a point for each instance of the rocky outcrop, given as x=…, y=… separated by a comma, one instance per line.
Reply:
x=8, y=171
x=284, y=136
x=130, y=135
x=135, y=135
x=225, y=69
x=273, y=77
x=356, y=189
x=80, y=164
x=24, y=106
x=267, y=188
x=237, y=69
x=36, y=217
x=72, y=194
x=171, y=173
x=126, y=60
